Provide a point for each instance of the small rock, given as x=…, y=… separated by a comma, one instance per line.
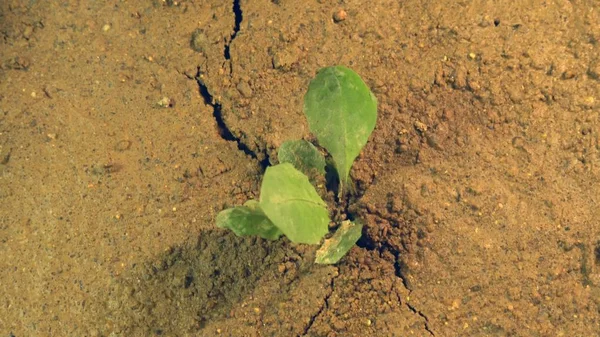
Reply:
x=165, y=102
x=284, y=59
x=432, y=140
x=339, y=16
x=244, y=88
x=199, y=41
x=123, y=145
x=420, y=126
x=515, y=93
x=486, y=21
x=27, y=32
x=568, y=75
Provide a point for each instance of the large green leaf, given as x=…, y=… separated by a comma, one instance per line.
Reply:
x=340, y=243
x=341, y=111
x=292, y=204
x=248, y=220
x=303, y=155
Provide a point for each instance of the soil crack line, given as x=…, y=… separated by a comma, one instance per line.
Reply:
x=420, y=313
x=223, y=129
x=400, y=269
x=400, y=274
x=325, y=305
x=237, y=12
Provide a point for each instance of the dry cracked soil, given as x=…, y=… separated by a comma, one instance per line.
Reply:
x=126, y=126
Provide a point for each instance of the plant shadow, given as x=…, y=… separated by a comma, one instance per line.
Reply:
x=190, y=287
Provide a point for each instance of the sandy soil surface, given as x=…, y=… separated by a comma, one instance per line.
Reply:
x=126, y=126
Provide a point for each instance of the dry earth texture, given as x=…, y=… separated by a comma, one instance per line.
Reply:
x=126, y=126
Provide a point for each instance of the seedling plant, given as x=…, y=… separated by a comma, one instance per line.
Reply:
x=341, y=113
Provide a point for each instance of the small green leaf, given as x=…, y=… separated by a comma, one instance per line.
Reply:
x=340, y=243
x=341, y=111
x=292, y=204
x=303, y=155
x=248, y=220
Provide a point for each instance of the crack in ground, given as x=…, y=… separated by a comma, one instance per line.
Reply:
x=325, y=305
x=224, y=131
x=398, y=266
x=237, y=11
x=399, y=269
x=420, y=313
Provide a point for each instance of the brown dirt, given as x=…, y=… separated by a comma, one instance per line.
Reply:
x=125, y=127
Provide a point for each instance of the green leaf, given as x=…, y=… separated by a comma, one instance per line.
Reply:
x=341, y=111
x=248, y=220
x=340, y=243
x=303, y=155
x=292, y=204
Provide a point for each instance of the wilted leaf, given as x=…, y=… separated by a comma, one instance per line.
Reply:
x=340, y=243
x=248, y=220
x=303, y=155
x=292, y=204
x=341, y=111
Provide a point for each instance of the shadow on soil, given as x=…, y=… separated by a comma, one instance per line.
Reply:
x=189, y=288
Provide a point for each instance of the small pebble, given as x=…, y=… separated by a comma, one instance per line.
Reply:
x=165, y=102
x=123, y=145
x=27, y=32
x=420, y=126
x=340, y=16
x=244, y=88
x=199, y=41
